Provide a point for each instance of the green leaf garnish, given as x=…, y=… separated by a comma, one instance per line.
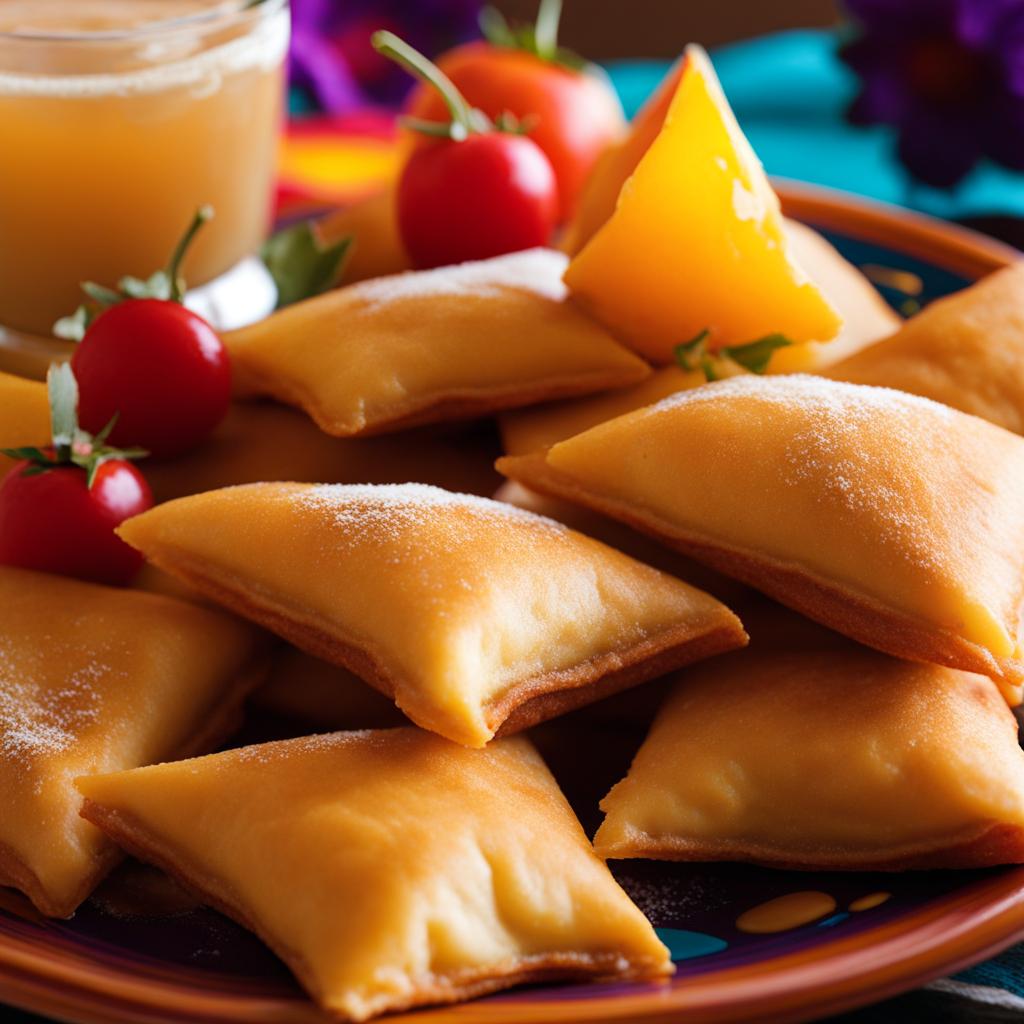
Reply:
x=690, y=353
x=752, y=356
x=167, y=285
x=301, y=264
x=756, y=355
x=72, y=446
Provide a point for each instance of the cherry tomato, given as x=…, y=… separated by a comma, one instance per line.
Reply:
x=487, y=195
x=54, y=522
x=575, y=115
x=161, y=368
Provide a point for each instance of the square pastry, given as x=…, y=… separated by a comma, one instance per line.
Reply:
x=432, y=346
x=94, y=679
x=888, y=517
x=474, y=616
x=388, y=869
x=825, y=756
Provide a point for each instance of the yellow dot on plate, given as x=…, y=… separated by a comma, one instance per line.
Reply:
x=874, y=899
x=785, y=912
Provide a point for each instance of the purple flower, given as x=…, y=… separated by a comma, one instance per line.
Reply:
x=948, y=74
x=332, y=60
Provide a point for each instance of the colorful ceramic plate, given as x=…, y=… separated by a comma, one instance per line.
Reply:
x=751, y=944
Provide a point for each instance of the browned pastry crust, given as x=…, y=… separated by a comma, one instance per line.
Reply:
x=524, y=704
x=447, y=406
x=988, y=846
x=856, y=616
x=449, y=988
x=218, y=724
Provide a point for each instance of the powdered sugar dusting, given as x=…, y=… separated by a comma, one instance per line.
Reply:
x=538, y=271
x=812, y=394
x=824, y=451
x=392, y=509
x=36, y=720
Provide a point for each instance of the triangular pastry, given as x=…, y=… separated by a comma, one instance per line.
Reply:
x=431, y=346
x=965, y=350
x=890, y=518
x=94, y=679
x=388, y=869
x=474, y=616
x=825, y=757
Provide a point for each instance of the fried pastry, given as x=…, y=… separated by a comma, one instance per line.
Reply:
x=890, y=518
x=474, y=616
x=94, y=679
x=627, y=540
x=24, y=416
x=432, y=346
x=965, y=350
x=388, y=869
x=830, y=757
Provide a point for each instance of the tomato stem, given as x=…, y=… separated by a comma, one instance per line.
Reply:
x=202, y=215
x=463, y=122
x=545, y=33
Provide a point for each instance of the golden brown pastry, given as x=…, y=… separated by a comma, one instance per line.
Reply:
x=890, y=518
x=94, y=679
x=266, y=441
x=826, y=757
x=24, y=416
x=965, y=350
x=627, y=540
x=431, y=346
x=387, y=869
x=472, y=615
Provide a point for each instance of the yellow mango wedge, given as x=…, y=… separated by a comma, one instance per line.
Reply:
x=697, y=241
x=618, y=162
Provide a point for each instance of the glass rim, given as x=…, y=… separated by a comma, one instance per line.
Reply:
x=214, y=18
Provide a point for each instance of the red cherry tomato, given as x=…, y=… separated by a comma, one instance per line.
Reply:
x=161, y=368
x=484, y=196
x=53, y=522
x=576, y=115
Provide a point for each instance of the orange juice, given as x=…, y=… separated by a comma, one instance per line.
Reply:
x=118, y=118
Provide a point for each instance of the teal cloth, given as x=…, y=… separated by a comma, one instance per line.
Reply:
x=790, y=93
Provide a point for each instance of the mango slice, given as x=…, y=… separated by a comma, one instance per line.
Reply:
x=696, y=241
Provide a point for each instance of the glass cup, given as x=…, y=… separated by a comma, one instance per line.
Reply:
x=118, y=119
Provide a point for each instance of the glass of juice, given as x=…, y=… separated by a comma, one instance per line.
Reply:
x=118, y=119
